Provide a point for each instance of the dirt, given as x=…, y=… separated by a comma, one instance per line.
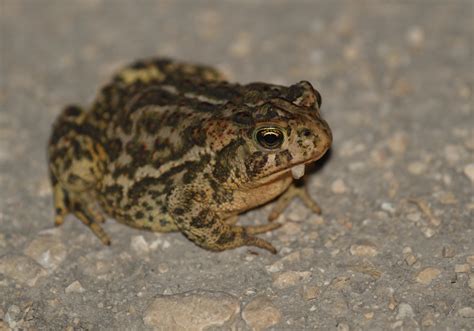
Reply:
x=394, y=247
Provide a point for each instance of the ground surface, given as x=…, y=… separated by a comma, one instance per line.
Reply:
x=394, y=247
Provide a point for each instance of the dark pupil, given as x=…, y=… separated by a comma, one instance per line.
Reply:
x=269, y=139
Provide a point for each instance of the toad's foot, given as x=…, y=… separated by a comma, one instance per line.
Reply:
x=89, y=215
x=285, y=199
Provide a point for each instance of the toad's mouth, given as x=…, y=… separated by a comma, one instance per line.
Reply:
x=297, y=170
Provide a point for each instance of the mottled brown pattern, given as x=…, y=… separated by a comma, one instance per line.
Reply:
x=170, y=146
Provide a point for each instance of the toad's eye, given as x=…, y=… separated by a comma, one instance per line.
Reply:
x=269, y=137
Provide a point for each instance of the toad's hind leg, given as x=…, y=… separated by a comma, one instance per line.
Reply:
x=76, y=161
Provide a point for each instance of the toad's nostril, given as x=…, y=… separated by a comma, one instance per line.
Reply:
x=306, y=132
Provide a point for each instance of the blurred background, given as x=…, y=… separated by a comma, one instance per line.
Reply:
x=393, y=248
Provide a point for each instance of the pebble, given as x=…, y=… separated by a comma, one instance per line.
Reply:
x=290, y=278
x=470, y=282
x=452, y=153
x=370, y=315
x=163, y=268
x=74, y=287
x=3, y=242
x=448, y=252
x=12, y=316
x=340, y=282
x=416, y=168
x=410, y=259
x=298, y=213
x=311, y=292
x=261, y=313
x=343, y=327
x=428, y=320
x=22, y=269
x=428, y=232
x=404, y=311
x=289, y=231
x=398, y=143
x=466, y=312
x=241, y=46
x=462, y=268
x=415, y=37
x=470, y=259
x=288, y=259
x=195, y=310
x=388, y=207
x=365, y=248
x=48, y=251
x=139, y=245
x=392, y=303
x=427, y=275
x=469, y=171
x=447, y=198
x=338, y=186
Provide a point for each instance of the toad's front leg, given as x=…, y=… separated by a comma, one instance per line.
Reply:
x=207, y=230
x=295, y=190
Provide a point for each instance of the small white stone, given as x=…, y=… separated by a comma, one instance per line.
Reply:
x=139, y=245
x=466, y=312
x=261, y=313
x=409, y=257
x=343, y=327
x=469, y=171
x=48, y=251
x=370, y=315
x=462, y=268
x=470, y=259
x=452, y=153
x=290, y=278
x=387, y=206
x=311, y=292
x=428, y=232
x=12, y=315
x=288, y=259
x=74, y=287
x=155, y=244
x=470, y=282
x=338, y=186
x=398, y=143
x=416, y=168
x=428, y=320
x=415, y=36
x=427, y=275
x=404, y=311
x=195, y=310
x=21, y=269
x=365, y=248
x=448, y=252
x=163, y=268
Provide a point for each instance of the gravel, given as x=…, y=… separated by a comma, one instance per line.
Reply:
x=394, y=246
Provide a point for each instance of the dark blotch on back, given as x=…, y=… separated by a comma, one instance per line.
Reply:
x=224, y=160
x=243, y=117
x=114, y=148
